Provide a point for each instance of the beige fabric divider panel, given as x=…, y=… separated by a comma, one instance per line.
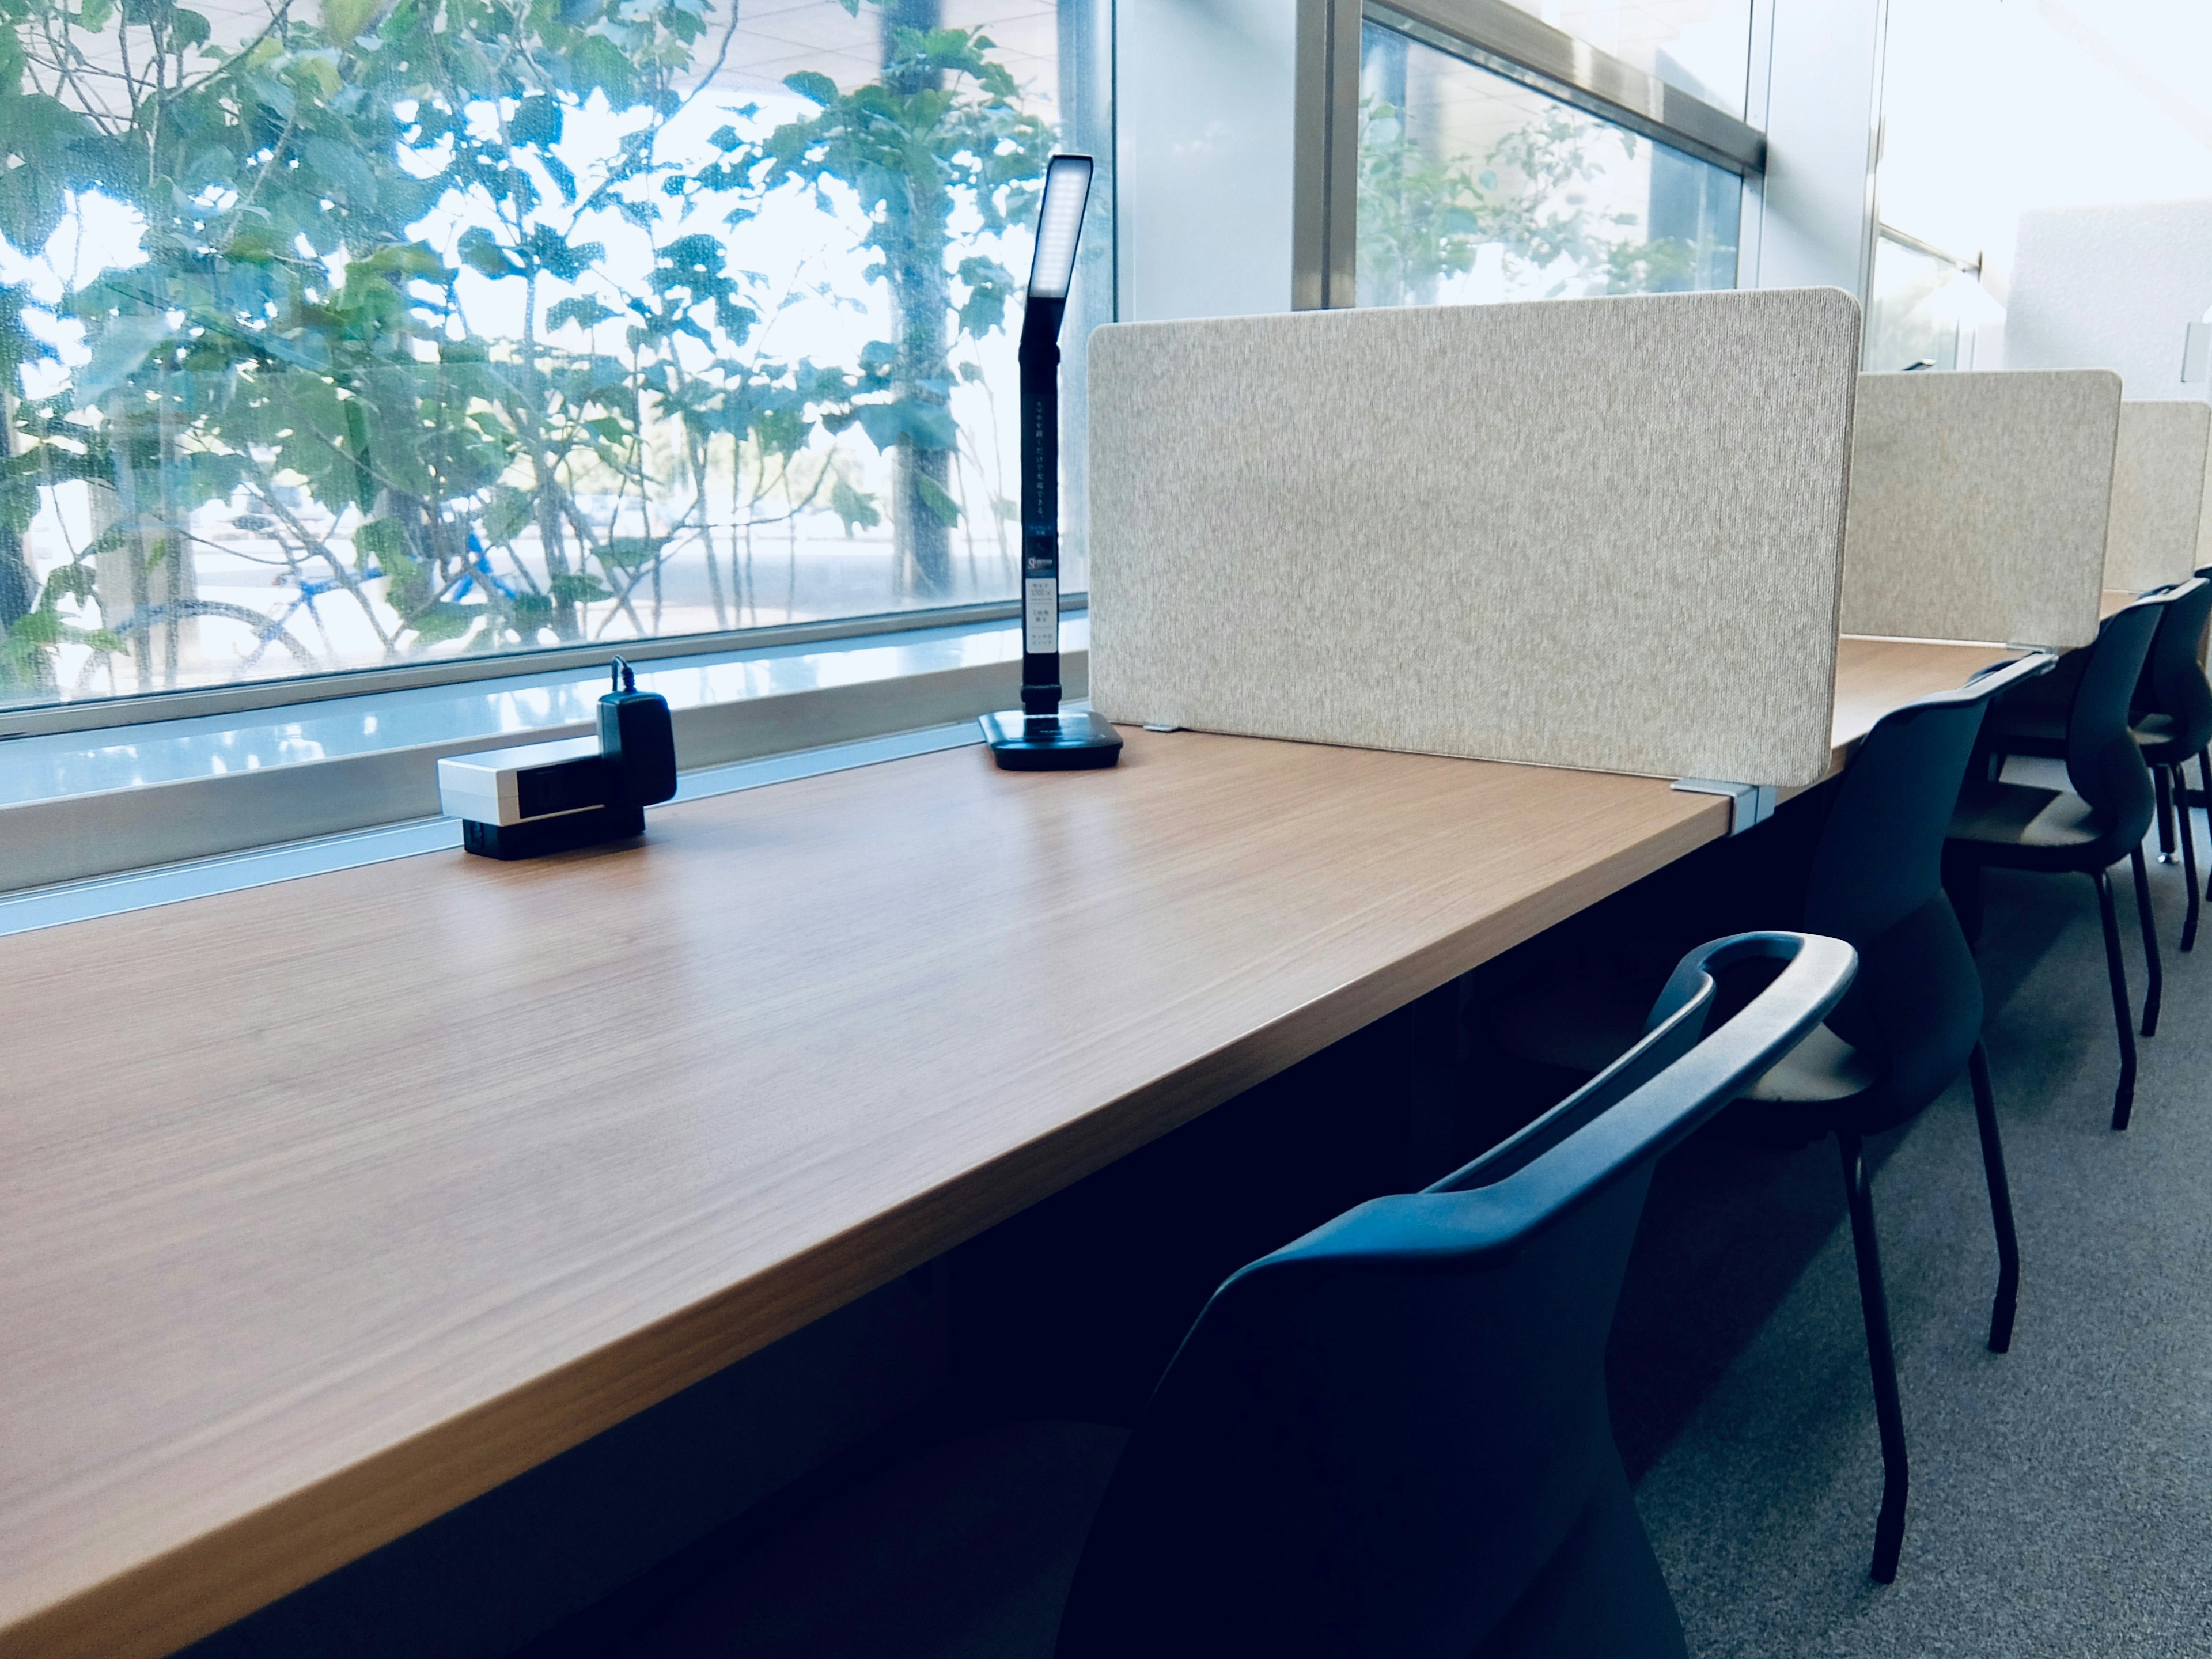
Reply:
x=1979, y=504
x=1594, y=533
x=2159, y=487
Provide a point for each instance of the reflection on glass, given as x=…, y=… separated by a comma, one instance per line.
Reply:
x=1474, y=189
x=373, y=332
x=1702, y=46
x=1907, y=324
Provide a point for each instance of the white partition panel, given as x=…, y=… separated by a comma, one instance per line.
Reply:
x=1979, y=504
x=1597, y=533
x=2158, y=493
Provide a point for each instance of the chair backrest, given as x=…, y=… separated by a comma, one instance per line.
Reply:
x=2172, y=681
x=1876, y=883
x=1881, y=853
x=2103, y=763
x=1382, y=1437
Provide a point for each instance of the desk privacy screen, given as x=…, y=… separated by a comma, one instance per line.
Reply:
x=1978, y=505
x=2159, y=510
x=1595, y=533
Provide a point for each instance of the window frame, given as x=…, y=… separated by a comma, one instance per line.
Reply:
x=1885, y=232
x=1490, y=35
x=74, y=824
x=153, y=708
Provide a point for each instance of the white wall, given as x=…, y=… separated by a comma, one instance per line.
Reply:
x=1206, y=103
x=2113, y=288
x=1823, y=85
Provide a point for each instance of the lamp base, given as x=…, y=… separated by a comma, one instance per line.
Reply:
x=1075, y=740
x=561, y=832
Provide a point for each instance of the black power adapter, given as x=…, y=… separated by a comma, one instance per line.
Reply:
x=638, y=740
x=551, y=797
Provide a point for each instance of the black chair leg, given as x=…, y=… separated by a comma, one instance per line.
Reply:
x=2188, y=859
x=2154, y=970
x=2123, y=1098
x=1882, y=1362
x=1962, y=883
x=2204, y=778
x=1993, y=1166
x=2161, y=783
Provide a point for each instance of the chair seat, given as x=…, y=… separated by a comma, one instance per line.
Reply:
x=1820, y=1086
x=965, y=1551
x=2163, y=740
x=2027, y=828
x=1821, y=1069
x=1595, y=1012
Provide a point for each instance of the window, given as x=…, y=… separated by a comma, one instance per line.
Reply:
x=1476, y=188
x=1470, y=151
x=1912, y=319
x=428, y=330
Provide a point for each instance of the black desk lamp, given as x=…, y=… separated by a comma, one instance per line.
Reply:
x=1038, y=737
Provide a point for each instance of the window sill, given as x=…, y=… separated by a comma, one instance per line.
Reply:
x=84, y=805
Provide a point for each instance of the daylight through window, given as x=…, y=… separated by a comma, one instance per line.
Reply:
x=346, y=334
x=1474, y=188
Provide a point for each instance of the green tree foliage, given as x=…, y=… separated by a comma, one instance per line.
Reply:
x=942, y=129
x=1420, y=218
x=295, y=347
x=1423, y=218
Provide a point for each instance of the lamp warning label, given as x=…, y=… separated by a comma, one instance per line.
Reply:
x=1040, y=615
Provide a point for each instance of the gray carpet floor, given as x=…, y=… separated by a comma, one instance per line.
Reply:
x=2061, y=1494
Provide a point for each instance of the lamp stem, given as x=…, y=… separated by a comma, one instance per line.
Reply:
x=1040, y=373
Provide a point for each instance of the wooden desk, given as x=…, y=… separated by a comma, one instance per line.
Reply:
x=2112, y=601
x=326, y=1207
x=1875, y=676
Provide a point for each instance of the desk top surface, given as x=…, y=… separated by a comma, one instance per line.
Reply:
x=327, y=1206
x=1875, y=676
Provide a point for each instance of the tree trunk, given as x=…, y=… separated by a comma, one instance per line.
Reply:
x=568, y=615
x=19, y=589
x=921, y=298
x=119, y=575
x=19, y=584
x=148, y=569
x=179, y=569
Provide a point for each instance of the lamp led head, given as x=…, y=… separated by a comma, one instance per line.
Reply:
x=1060, y=224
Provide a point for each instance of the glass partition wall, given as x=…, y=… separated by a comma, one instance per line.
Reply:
x=393, y=331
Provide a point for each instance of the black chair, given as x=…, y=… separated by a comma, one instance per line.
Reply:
x=2087, y=830
x=2170, y=714
x=1911, y=1024
x=2173, y=722
x=1390, y=1436
x=1913, y=1020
